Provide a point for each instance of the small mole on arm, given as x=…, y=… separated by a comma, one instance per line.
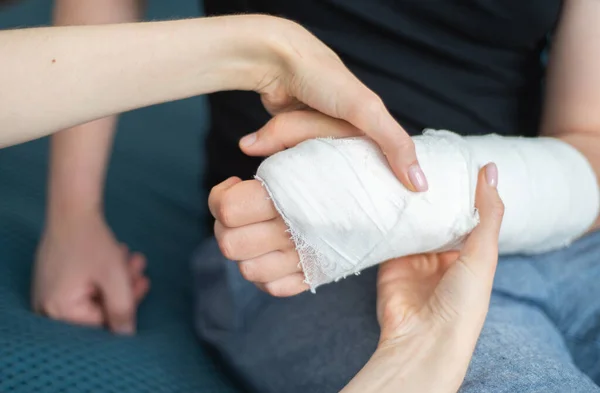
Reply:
x=53, y=60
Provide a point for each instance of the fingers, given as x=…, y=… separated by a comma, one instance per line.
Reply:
x=270, y=267
x=266, y=254
x=480, y=251
x=137, y=264
x=336, y=92
x=236, y=203
x=141, y=284
x=216, y=195
x=251, y=241
x=79, y=308
x=289, y=129
x=118, y=298
x=366, y=111
x=249, y=230
x=290, y=285
x=88, y=313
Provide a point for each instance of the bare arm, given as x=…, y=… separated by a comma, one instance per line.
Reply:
x=572, y=109
x=58, y=77
x=79, y=155
x=115, y=68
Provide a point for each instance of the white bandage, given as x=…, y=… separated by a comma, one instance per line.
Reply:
x=346, y=211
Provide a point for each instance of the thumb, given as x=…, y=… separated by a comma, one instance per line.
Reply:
x=118, y=299
x=288, y=129
x=333, y=90
x=467, y=285
x=480, y=251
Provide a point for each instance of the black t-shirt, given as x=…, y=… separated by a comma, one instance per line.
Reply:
x=470, y=66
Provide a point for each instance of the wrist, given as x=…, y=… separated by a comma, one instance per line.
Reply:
x=248, y=53
x=253, y=50
x=69, y=210
x=434, y=362
x=445, y=353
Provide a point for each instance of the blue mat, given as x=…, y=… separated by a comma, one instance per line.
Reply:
x=153, y=203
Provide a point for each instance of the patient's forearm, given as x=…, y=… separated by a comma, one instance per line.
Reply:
x=588, y=144
x=54, y=78
x=347, y=212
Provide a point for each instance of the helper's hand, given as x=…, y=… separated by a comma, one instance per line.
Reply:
x=310, y=75
x=84, y=276
x=432, y=307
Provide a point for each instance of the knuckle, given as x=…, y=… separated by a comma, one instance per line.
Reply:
x=226, y=212
x=405, y=143
x=372, y=105
x=365, y=112
x=52, y=308
x=498, y=208
x=277, y=289
x=212, y=198
x=277, y=124
x=276, y=133
x=58, y=310
x=274, y=289
x=122, y=308
x=249, y=271
x=226, y=243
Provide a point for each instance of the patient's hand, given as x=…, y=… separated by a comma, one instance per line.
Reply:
x=250, y=231
x=248, y=228
x=84, y=276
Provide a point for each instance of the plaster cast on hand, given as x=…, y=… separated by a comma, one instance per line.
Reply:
x=346, y=210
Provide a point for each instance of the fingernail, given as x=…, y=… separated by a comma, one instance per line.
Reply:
x=248, y=140
x=125, y=330
x=417, y=178
x=491, y=174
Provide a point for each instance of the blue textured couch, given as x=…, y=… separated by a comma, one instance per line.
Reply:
x=154, y=204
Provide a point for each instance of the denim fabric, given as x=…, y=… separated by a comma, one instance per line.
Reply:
x=541, y=334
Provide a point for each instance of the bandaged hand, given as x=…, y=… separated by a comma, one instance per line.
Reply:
x=248, y=228
x=346, y=212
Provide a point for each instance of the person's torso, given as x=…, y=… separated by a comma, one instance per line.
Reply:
x=470, y=66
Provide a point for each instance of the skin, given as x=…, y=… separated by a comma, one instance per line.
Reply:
x=256, y=238
x=78, y=161
x=402, y=321
x=431, y=308
x=135, y=65
x=573, y=88
x=570, y=114
x=280, y=60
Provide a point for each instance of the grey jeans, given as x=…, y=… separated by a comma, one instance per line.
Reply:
x=542, y=333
